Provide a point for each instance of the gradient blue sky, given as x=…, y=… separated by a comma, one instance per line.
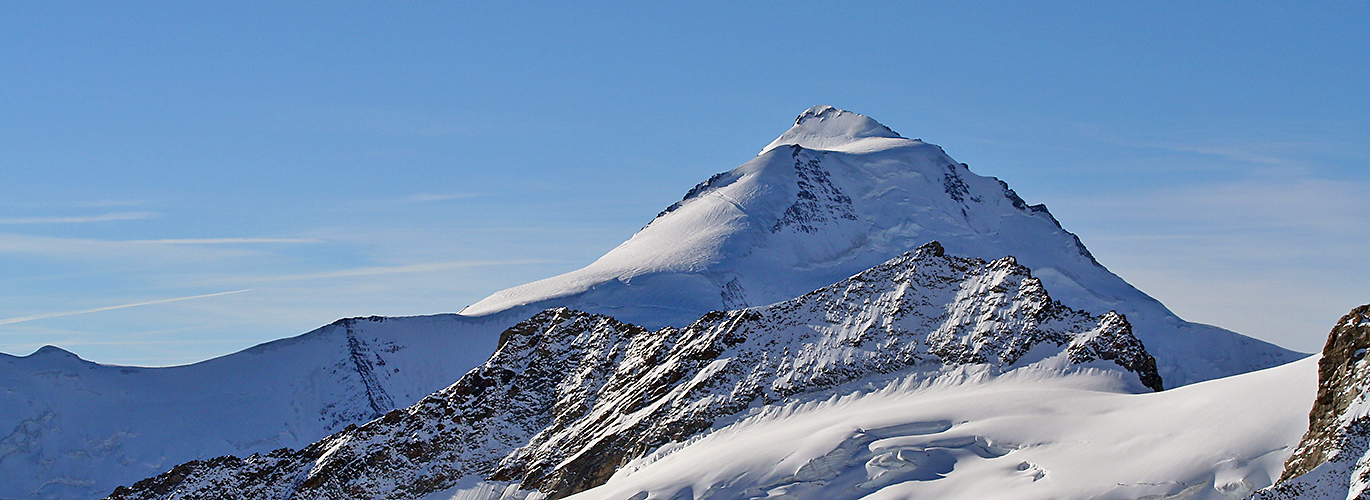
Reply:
x=325, y=160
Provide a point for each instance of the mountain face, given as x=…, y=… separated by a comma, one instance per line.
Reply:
x=839, y=193
x=1333, y=460
x=569, y=397
x=72, y=429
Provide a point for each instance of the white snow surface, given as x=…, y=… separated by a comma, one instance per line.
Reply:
x=839, y=193
x=831, y=129
x=1017, y=436
x=72, y=429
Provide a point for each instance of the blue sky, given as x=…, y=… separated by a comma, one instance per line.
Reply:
x=281, y=166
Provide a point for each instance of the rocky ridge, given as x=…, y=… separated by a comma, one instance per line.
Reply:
x=568, y=396
x=1333, y=459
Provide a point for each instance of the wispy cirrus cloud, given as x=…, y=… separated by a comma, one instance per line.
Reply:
x=77, y=219
x=1255, y=156
x=1264, y=154
x=357, y=272
x=1268, y=257
x=225, y=241
x=1248, y=154
x=379, y=121
x=428, y=197
x=110, y=203
x=1262, y=204
x=22, y=319
x=106, y=249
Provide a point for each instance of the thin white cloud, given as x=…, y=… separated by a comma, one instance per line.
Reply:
x=98, y=250
x=22, y=319
x=76, y=219
x=1256, y=155
x=425, y=197
x=224, y=241
x=384, y=270
x=1274, y=258
x=1308, y=204
x=111, y=203
x=160, y=249
x=382, y=122
x=1255, y=152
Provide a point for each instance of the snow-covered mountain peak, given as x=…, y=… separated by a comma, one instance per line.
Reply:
x=839, y=193
x=52, y=350
x=51, y=357
x=831, y=129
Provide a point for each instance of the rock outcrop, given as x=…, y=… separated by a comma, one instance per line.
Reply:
x=1333, y=459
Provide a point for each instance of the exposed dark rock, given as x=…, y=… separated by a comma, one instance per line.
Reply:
x=955, y=186
x=818, y=201
x=379, y=400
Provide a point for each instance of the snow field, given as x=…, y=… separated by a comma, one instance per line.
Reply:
x=1017, y=436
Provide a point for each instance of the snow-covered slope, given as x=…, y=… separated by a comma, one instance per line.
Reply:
x=1018, y=437
x=1333, y=460
x=569, y=396
x=72, y=429
x=839, y=193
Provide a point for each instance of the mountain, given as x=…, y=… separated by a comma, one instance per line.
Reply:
x=74, y=429
x=835, y=195
x=1333, y=459
x=569, y=397
x=839, y=193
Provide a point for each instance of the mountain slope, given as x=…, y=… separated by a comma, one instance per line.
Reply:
x=1333, y=459
x=839, y=193
x=76, y=429
x=569, y=396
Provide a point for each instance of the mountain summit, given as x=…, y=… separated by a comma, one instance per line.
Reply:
x=839, y=193
x=832, y=129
